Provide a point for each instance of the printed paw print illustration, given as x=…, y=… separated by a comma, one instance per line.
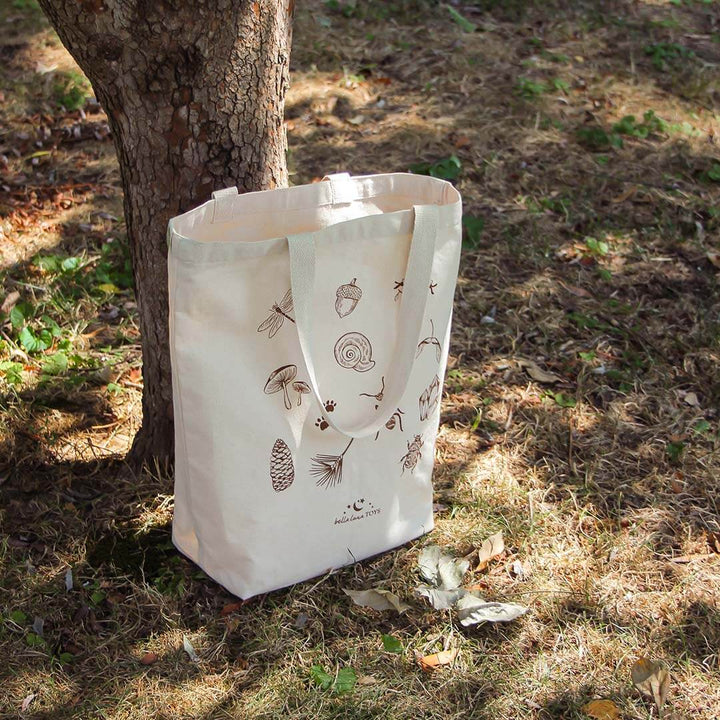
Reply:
x=321, y=422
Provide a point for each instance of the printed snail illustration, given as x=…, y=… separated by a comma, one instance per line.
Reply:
x=347, y=298
x=354, y=352
x=282, y=471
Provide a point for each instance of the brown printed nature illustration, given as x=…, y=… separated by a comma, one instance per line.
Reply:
x=278, y=315
x=430, y=340
x=378, y=395
x=282, y=470
x=354, y=352
x=429, y=399
x=279, y=381
x=395, y=420
x=400, y=284
x=347, y=297
x=328, y=469
x=413, y=455
x=321, y=422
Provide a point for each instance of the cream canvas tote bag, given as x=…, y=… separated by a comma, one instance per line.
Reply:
x=309, y=332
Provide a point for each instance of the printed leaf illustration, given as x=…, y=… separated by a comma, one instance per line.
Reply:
x=391, y=644
x=377, y=599
x=354, y=352
x=491, y=548
x=430, y=340
x=602, y=710
x=282, y=471
x=432, y=662
x=651, y=679
x=473, y=610
x=429, y=399
x=347, y=297
x=278, y=315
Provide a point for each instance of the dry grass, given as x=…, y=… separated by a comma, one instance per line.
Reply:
x=608, y=497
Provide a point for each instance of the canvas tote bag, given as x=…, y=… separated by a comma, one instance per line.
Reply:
x=309, y=332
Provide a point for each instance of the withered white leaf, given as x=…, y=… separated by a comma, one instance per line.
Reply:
x=68, y=580
x=377, y=599
x=652, y=679
x=189, y=649
x=473, y=610
x=451, y=571
x=440, y=598
x=428, y=563
x=491, y=548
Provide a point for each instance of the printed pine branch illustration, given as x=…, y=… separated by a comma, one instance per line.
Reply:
x=328, y=469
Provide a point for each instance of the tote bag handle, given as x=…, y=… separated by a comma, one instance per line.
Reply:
x=414, y=299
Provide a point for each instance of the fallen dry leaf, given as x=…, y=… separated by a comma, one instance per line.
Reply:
x=491, y=548
x=430, y=662
x=377, y=599
x=230, y=608
x=537, y=373
x=602, y=710
x=691, y=399
x=9, y=303
x=189, y=649
x=714, y=258
x=149, y=658
x=367, y=680
x=651, y=679
x=26, y=702
x=472, y=610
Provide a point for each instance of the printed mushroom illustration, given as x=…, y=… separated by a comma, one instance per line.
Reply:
x=301, y=388
x=279, y=380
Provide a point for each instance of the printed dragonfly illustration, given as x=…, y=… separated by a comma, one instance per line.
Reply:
x=278, y=315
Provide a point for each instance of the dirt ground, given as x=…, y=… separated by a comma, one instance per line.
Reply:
x=580, y=414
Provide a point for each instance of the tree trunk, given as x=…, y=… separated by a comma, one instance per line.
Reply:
x=194, y=94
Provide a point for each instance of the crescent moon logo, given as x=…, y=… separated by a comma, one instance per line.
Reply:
x=355, y=505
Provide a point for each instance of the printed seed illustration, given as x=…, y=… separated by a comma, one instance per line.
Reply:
x=354, y=351
x=282, y=471
x=347, y=298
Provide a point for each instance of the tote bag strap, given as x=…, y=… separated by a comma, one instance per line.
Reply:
x=414, y=299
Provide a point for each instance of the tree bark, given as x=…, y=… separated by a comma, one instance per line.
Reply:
x=194, y=94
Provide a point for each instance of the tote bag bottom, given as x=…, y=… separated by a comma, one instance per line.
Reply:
x=234, y=582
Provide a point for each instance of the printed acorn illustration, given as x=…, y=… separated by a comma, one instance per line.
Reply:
x=348, y=296
x=282, y=471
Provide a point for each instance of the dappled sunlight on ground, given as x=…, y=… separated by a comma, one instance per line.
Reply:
x=580, y=413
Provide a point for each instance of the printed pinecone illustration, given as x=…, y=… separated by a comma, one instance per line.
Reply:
x=282, y=472
x=348, y=296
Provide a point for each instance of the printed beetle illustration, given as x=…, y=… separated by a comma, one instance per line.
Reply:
x=413, y=455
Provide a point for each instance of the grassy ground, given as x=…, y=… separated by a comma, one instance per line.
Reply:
x=592, y=251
